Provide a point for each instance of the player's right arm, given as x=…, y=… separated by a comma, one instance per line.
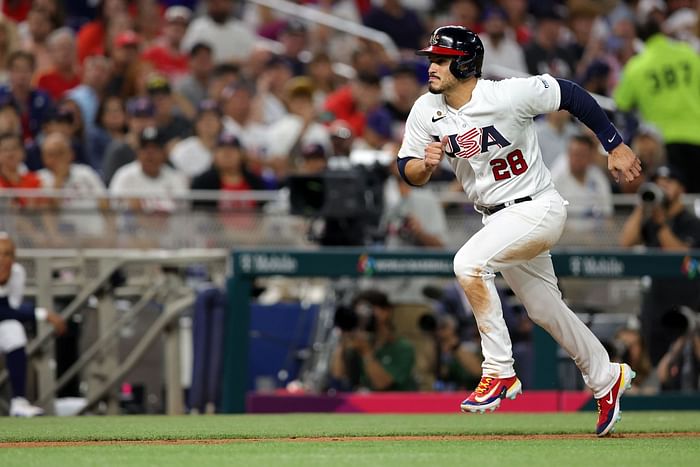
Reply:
x=420, y=154
x=418, y=171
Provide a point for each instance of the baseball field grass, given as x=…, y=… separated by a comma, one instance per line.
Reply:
x=642, y=439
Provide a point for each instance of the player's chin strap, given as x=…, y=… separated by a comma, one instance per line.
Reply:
x=581, y=105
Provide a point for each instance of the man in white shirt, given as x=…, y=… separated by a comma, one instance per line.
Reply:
x=149, y=184
x=231, y=39
x=583, y=184
x=83, y=190
x=501, y=48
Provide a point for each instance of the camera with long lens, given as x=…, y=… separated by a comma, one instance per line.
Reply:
x=354, y=318
x=651, y=194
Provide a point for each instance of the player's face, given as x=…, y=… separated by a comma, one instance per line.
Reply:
x=440, y=79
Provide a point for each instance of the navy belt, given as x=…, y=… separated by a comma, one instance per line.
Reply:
x=488, y=210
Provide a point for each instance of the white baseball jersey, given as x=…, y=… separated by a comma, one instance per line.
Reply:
x=13, y=289
x=492, y=144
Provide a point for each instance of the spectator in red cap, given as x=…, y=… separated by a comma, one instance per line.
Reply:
x=125, y=61
x=63, y=76
x=165, y=54
x=92, y=37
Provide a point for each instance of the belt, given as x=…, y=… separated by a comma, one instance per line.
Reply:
x=488, y=210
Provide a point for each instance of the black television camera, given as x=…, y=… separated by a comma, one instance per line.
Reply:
x=348, y=200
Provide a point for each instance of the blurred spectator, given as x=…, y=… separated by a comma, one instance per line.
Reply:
x=682, y=25
x=413, y=219
x=111, y=118
x=679, y=368
x=313, y=160
x=401, y=24
x=9, y=42
x=544, y=54
x=34, y=104
x=406, y=88
x=147, y=19
x=239, y=119
x=662, y=83
x=581, y=182
x=92, y=37
x=62, y=119
x=298, y=129
x=13, y=337
x=228, y=172
x=148, y=184
x=464, y=13
x=271, y=88
x=352, y=101
x=596, y=77
x=554, y=131
x=631, y=347
x=378, y=132
x=648, y=145
x=125, y=64
x=459, y=362
x=96, y=76
x=370, y=355
x=661, y=220
x=140, y=114
x=193, y=155
x=294, y=38
x=83, y=190
x=9, y=116
x=195, y=84
x=63, y=75
x=518, y=20
x=172, y=126
x=500, y=46
x=325, y=80
x=12, y=172
x=222, y=76
x=581, y=20
x=34, y=37
x=166, y=54
x=219, y=29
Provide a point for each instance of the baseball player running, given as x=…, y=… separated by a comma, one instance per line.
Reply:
x=485, y=128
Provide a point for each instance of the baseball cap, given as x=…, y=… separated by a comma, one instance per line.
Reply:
x=313, y=151
x=669, y=171
x=494, y=12
x=158, y=84
x=300, y=86
x=8, y=100
x=208, y=105
x=127, y=38
x=340, y=129
x=151, y=135
x=228, y=140
x=178, y=13
x=380, y=122
x=139, y=107
x=294, y=26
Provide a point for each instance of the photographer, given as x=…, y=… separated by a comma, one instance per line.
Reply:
x=679, y=368
x=458, y=363
x=661, y=220
x=369, y=354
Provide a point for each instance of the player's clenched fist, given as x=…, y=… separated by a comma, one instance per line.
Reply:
x=433, y=153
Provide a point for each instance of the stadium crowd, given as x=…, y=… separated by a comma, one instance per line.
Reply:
x=146, y=100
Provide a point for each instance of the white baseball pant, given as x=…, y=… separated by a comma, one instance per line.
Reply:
x=515, y=241
x=12, y=335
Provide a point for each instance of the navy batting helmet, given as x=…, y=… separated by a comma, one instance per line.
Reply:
x=462, y=45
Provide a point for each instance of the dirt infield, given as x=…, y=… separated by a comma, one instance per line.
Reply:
x=341, y=439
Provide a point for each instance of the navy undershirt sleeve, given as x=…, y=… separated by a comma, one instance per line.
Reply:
x=401, y=162
x=25, y=312
x=582, y=106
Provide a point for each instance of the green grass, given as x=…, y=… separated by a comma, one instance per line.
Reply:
x=676, y=451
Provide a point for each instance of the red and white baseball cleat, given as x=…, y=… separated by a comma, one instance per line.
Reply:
x=490, y=391
x=609, y=405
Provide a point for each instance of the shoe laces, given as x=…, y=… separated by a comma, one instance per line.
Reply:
x=484, y=385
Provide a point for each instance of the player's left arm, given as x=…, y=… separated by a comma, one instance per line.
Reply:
x=622, y=161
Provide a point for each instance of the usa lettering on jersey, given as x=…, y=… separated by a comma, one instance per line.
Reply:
x=473, y=142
